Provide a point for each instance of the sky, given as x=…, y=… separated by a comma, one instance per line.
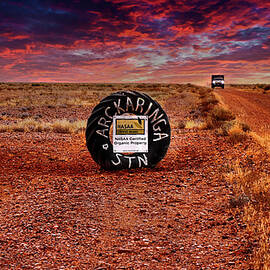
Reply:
x=157, y=41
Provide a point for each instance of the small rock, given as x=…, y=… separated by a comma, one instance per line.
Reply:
x=25, y=109
x=24, y=115
x=37, y=116
x=124, y=250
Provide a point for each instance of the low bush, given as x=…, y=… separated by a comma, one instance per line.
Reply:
x=245, y=127
x=221, y=114
x=217, y=118
x=31, y=125
x=237, y=135
x=207, y=103
x=181, y=125
x=203, y=92
x=65, y=126
x=190, y=124
x=224, y=129
x=252, y=196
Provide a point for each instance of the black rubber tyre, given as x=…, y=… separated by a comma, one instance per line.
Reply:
x=98, y=128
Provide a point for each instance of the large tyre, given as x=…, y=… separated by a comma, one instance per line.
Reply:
x=98, y=128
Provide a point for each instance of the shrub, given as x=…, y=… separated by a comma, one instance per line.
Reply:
x=236, y=135
x=4, y=128
x=207, y=124
x=207, y=103
x=220, y=114
x=192, y=124
x=203, y=92
x=219, y=118
x=61, y=126
x=245, y=127
x=260, y=85
x=251, y=193
x=225, y=127
x=181, y=125
x=58, y=126
x=65, y=126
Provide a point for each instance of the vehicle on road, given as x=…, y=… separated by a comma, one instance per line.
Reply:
x=217, y=81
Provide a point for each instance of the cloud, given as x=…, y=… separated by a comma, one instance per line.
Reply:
x=146, y=40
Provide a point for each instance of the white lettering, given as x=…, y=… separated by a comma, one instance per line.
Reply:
x=140, y=104
x=129, y=104
x=158, y=128
x=143, y=160
x=129, y=160
x=102, y=132
x=155, y=114
x=117, y=106
x=148, y=110
x=118, y=158
x=106, y=112
x=102, y=122
x=105, y=146
x=160, y=136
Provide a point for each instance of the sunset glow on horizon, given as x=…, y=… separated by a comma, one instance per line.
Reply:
x=162, y=41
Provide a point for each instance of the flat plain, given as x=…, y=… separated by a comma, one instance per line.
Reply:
x=59, y=210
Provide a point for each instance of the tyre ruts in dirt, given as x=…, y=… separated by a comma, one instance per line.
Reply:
x=99, y=123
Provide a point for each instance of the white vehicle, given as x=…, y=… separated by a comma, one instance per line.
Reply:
x=217, y=81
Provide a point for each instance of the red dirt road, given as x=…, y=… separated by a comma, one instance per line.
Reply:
x=60, y=211
x=251, y=107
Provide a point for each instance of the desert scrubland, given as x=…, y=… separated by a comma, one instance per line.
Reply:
x=205, y=206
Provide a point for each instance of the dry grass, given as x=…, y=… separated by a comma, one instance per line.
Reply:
x=263, y=140
x=236, y=134
x=217, y=117
x=32, y=125
x=45, y=94
x=81, y=94
x=207, y=104
x=220, y=118
x=26, y=125
x=252, y=191
x=65, y=126
x=200, y=101
x=85, y=94
x=33, y=96
x=219, y=114
x=259, y=87
x=191, y=124
x=208, y=100
x=181, y=125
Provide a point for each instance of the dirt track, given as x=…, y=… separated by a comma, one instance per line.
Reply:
x=59, y=211
x=251, y=107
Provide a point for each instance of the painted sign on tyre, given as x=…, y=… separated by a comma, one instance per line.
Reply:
x=120, y=104
x=130, y=134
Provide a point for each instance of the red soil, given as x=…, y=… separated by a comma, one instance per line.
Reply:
x=59, y=210
x=250, y=106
